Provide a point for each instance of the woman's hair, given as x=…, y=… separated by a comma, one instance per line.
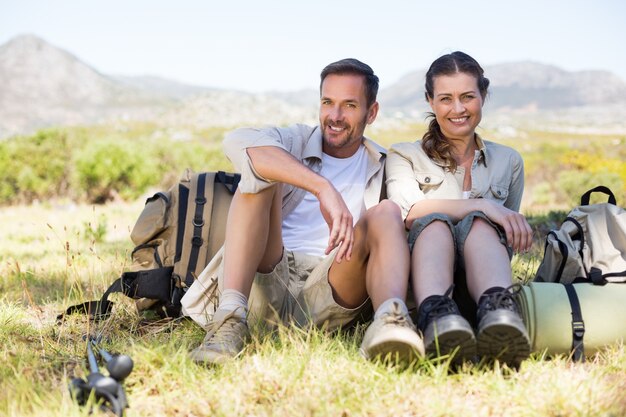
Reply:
x=433, y=142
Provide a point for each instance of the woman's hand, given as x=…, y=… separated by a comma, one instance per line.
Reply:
x=519, y=234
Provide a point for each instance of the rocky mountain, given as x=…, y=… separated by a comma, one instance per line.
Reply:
x=43, y=86
x=520, y=86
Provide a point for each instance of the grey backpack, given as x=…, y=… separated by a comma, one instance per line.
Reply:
x=590, y=245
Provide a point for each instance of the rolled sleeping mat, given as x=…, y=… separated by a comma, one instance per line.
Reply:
x=577, y=319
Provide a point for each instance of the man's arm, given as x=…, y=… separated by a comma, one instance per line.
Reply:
x=277, y=165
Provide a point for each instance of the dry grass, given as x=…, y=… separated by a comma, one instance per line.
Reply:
x=48, y=260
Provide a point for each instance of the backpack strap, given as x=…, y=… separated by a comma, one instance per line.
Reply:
x=578, y=325
x=580, y=234
x=95, y=309
x=183, y=195
x=564, y=254
x=584, y=199
x=198, y=223
x=230, y=181
x=152, y=283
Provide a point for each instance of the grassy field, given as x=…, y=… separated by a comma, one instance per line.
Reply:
x=52, y=256
x=56, y=254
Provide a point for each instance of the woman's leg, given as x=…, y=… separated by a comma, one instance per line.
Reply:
x=433, y=256
x=432, y=261
x=487, y=262
x=501, y=332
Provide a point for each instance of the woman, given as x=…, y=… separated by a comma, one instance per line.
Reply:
x=460, y=197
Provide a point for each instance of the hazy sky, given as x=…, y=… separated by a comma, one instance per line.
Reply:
x=264, y=45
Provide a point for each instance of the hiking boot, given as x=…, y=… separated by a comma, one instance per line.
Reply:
x=393, y=337
x=501, y=332
x=225, y=338
x=445, y=331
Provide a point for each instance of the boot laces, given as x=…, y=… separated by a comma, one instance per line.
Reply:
x=225, y=330
x=436, y=307
x=396, y=317
x=505, y=299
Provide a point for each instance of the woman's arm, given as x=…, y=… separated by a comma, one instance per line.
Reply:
x=517, y=230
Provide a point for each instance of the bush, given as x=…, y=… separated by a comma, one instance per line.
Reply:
x=34, y=168
x=576, y=183
x=109, y=169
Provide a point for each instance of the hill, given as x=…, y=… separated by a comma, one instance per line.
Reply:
x=43, y=86
x=529, y=86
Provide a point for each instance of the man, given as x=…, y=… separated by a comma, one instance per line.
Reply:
x=292, y=247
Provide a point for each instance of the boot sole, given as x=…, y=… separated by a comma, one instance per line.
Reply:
x=403, y=347
x=503, y=336
x=451, y=335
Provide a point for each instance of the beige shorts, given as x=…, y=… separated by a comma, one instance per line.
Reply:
x=298, y=291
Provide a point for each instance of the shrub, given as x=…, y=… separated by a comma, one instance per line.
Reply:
x=35, y=167
x=576, y=183
x=110, y=168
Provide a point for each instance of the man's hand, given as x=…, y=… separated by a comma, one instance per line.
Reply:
x=519, y=234
x=339, y=220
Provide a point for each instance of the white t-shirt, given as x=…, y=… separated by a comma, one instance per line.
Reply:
x=304, y=229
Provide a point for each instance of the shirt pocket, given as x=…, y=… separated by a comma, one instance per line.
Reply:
x=428, y=181
x=498, y=192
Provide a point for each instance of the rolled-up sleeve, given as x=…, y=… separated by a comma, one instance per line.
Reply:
x=402, y=186
x=516, y=189
x=235, y=145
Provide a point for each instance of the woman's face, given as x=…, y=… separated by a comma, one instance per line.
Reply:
x=457, y=105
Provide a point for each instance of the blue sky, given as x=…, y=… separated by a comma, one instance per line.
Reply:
x=267, y=45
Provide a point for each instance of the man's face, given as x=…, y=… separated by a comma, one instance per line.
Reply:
x=344, y=113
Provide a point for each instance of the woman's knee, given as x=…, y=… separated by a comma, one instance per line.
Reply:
x=482, y=227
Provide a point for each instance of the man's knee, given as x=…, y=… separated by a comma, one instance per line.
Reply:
x=384, y=213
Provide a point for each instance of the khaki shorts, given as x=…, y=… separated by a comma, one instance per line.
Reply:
x=298, y=291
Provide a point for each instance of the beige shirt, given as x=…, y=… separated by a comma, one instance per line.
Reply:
x=497, y=174
x=305, y=143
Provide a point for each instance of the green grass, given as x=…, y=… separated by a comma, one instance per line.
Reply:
x=49, y=260
x=55, y=254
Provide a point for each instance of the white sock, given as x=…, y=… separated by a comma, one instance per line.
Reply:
x=386, y=306
x=231, y=300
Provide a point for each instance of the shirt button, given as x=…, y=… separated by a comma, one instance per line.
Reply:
x=427, y=180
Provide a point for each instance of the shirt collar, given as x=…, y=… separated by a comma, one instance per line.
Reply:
x=313, y=148
x=482, y=149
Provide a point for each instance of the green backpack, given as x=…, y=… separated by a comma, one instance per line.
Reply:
x=176, y=235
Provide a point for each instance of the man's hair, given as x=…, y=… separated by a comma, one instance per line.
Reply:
x=355, y=67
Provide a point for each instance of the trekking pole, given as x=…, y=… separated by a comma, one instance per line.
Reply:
x=119, y=366
x=96, y=379
x=104, y=387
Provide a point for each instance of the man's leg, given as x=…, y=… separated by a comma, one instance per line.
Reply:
x=379, y=268
x=253, y=243
x=253, y=239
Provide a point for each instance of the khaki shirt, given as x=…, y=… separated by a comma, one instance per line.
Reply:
x=497, y=174
x=303, y=142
